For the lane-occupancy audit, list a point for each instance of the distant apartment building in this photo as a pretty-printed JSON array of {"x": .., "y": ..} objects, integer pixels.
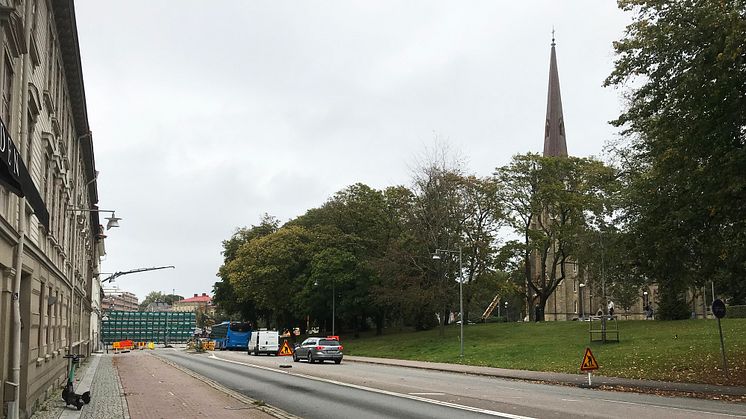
[
  {"x": 197, "y": 303},
  {"x": 118, "y": 300}
]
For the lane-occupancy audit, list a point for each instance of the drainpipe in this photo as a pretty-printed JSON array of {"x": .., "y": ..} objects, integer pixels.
[
  {"x": 16, "y": 338},
  {"x": 13, "y": 407}
]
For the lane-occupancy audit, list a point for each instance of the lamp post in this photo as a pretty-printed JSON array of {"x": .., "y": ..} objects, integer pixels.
[
  {"x": 436, "y": 256},
  {"x": 334, "y": 298},
  {"x": 580, "y": 293},
  {"x": 507, "y": 316},
  {"x": 603, "y": 276}
]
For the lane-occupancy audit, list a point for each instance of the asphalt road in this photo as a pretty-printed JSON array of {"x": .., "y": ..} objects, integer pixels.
[{"x": 357, "y": 390}]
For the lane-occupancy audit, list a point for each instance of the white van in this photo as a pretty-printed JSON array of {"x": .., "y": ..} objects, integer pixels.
[{"x": 264, "y": 341}]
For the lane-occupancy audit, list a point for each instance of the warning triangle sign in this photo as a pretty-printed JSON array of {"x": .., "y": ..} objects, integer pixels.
[
  {"x": 589, "y": 361},
  {"x": 285, "y": 350}
]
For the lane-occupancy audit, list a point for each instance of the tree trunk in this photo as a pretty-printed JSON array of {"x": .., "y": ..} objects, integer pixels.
[{"x": 540, "y": 307}]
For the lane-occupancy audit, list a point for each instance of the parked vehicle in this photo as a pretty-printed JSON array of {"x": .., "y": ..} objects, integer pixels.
[
  {"x": 319, "y": 349},
  {"x": 231, "y": 335},
  {"x": 264, "y": 341}
]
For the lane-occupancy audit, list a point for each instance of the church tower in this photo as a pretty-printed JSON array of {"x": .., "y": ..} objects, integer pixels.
[
  {"x": 566, "y": 302},
  {"x": 554, "y": 131}
]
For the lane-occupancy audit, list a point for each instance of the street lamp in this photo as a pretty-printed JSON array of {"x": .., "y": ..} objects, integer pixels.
[
  {"x": 507, "y": 316},
  {"x": 436, "y": 256},
  {"x": 580, "y": 294},
  {"x": 113, "y": 220}
]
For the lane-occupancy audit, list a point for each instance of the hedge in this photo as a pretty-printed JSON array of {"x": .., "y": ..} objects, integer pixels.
[{"x": 736, "y": 312}]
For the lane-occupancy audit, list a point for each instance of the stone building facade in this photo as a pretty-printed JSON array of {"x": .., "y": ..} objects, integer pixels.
[
  {"x": 116, "y": 299},
  {"x": 197, "y": 303},
  {"x": 49, "y": 251}
]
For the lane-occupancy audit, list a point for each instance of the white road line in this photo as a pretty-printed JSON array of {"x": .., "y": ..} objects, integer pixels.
[
  {"x": 379, "y": 391},
  {"x": 673, "y": 408}
]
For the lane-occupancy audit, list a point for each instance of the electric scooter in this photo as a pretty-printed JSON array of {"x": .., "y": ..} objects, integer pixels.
[{"x": 68, "y": 393}]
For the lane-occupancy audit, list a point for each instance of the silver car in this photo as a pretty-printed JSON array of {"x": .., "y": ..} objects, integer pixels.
[{"x": 318, "y": 349}]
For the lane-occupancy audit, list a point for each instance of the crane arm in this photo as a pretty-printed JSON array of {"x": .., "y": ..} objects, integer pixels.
[{"x": 133, "y": 271}]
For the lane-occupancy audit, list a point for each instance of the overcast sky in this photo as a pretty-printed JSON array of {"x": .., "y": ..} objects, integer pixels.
[{"x": 205, "y": 115}]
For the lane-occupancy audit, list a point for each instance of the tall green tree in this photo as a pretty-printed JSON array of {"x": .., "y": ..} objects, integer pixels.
[
  {"x": 683, "y": 64},
  {"x": 269, "y": 271},
  {"x": 551, "y": 202},
  {"x": 437, "y": 222},
  {"x": 231, "y": 305},
  {"x": 157, "y": 296}
]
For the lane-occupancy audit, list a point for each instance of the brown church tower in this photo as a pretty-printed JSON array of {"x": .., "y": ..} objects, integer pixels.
[
  {"x": 566, "y": 301},
  {"x": 554, "y": 130}
]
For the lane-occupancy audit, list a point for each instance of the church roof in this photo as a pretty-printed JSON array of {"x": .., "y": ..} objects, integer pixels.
[{"x": 554, "y": 131}]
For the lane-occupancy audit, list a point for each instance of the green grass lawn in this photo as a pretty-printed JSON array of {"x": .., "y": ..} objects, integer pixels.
[{"x": 685, "y": 351}]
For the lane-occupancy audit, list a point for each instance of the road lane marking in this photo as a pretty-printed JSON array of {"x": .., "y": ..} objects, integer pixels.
[
  {"x": 427, "y": 394},
  {"x": 379, "y": 391},
  {"x": 673, "y": 408},
  {"x": 493, "y": 413}
]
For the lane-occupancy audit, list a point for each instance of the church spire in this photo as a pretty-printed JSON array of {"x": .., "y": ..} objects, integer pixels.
[{"x": 554, "y": 131}]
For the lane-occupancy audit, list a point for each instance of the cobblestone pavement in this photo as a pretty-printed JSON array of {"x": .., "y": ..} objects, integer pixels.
[
  {"x": 55, "y": 408},
  {"x": 107, "y": 396}
]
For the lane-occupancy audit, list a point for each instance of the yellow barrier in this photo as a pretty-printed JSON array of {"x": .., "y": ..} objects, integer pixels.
[{"x": 208, "y": 345}]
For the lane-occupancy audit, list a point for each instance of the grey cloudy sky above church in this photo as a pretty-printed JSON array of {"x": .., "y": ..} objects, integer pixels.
[{"x": 207, "y": 115}]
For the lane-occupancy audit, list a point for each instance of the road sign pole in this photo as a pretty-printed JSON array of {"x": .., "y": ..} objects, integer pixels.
[
  {"x": 588, "y": 364},
  {"x": 718, "y": 309},
  {"x": 722, "y": 349}
]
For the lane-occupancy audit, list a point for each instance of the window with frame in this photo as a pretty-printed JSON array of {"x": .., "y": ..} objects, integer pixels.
[
  {"x": 40, "y": 339},
  {"x": 50, "y": 326},
  {"x": 50, "y": 59},
  {"x": 4, "y": 201},
  {"x": 56, "y": 312},
  {"x": 7, "y": 86}
]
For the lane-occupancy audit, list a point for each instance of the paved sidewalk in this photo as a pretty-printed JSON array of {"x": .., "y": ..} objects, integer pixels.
[
  {"x": 560, "y": 378},
  {"x": 155, "y": 389},
  {"x": 98, "y": 375},
  {"x": 139, "y": 385}
]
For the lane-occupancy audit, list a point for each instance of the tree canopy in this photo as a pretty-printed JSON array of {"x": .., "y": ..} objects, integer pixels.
[{"x": 683, "y": 155}]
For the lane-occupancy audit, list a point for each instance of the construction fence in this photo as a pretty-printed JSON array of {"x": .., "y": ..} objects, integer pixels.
[{"x": 164, "y": 327}]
